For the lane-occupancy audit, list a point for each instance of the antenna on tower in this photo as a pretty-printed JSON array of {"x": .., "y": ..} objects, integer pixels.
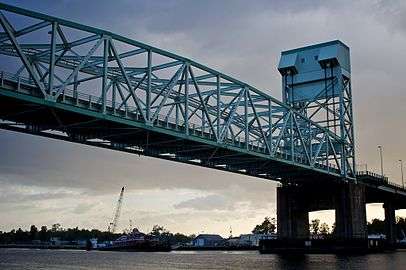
[
  {"x": 113, "y": 225},
  {"x": 231, "y": 232}
]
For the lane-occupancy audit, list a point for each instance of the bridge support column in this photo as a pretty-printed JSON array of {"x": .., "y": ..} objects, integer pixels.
[
  {"x": 292, "y": 213},
  {"x": 351, "y": 212},
  {"x": 390, "y": 223}
]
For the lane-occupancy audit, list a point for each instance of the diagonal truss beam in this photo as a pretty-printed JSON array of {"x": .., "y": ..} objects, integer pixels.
[{"x": 10, "y": 33}]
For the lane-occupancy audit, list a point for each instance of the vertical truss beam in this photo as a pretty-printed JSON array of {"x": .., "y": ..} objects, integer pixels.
[
  {"x": 186, "y": 78},
  {"x": 106, "y": 49},
  {"x": 149, "y": 88},
  {"x": 52, "y": 58}
]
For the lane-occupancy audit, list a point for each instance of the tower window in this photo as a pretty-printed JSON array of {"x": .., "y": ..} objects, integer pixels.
[
  {"x": 302, "y": 60},
  {"x": 316, "y": 57}
]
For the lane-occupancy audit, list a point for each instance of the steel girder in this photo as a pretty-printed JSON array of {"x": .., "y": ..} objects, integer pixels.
[{"x": 68, "y": 63}]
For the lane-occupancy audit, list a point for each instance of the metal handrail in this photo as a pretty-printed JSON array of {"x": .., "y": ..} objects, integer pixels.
[{"x": 380, "y": 178}]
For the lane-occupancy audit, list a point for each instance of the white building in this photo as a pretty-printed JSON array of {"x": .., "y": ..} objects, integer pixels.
[{"x": 253, "y": 239}]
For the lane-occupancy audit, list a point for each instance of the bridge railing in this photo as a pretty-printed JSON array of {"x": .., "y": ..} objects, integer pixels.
[
  {"x": 372, "y": 174},
  {"x": 378, "y": 179}
]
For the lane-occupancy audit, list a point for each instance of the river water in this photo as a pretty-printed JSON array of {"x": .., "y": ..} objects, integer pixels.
[{"x": 24, "y": 259}]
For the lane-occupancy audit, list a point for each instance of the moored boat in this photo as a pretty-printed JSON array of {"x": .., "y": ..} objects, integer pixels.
[{"x": 137, "y": 241}]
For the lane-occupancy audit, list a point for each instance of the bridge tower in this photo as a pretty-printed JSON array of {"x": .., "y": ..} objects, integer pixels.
[{"x": 316, "y": 80}]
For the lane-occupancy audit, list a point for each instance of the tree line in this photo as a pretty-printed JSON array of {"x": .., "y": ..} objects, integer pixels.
[
  {"x": 376, "y": 226},
  {"x": 44, "y": 235},
  {"x": 268, "y": 226}
]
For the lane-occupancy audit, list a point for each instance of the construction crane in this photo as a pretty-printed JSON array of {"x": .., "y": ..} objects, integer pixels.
[{"x": 113, "y": 225}]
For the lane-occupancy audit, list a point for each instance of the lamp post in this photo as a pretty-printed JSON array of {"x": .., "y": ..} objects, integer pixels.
[
  {"x": 401, "y": 172},
  {"x": 381, "y": 156}
]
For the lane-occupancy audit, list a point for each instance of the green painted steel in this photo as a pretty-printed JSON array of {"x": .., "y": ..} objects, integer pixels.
[{"x": 85, "y": 72}]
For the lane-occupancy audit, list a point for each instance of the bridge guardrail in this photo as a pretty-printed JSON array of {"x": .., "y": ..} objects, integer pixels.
[{"x": 380, "y": 179}]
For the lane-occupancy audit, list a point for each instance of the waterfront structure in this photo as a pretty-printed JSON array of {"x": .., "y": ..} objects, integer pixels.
[
  {"x": 136, "y": 241},
  {"x": 72, "y": 82},
  {"x": 253, "y": 239},
  {"x": 208, "y": 240}
]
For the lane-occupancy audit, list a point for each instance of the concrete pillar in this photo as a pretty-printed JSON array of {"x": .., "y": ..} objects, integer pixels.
[
  {"x": 350, "y": 212},
  {"x": 390, "y": 223},
  {"x": 292, "y": 213}
]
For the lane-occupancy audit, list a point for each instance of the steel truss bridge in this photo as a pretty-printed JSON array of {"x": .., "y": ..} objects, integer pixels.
[{"x": 73, "y": 82}]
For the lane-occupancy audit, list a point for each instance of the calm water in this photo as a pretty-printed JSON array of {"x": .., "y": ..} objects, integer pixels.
[{"x": 66, "y": 259}]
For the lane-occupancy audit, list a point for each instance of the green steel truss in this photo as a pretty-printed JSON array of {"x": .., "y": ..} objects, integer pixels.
[{"x": 69, "y": 67}]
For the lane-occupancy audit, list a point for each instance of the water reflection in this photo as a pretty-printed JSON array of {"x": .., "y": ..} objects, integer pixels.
[{"x": 11, "y": 259}]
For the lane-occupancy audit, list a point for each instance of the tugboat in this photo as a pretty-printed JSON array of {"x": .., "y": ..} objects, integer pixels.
[{"x": 137, "y": 241}]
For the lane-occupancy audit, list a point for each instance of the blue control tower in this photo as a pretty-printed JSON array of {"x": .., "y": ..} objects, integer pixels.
[{"x": 316, "y": 81}]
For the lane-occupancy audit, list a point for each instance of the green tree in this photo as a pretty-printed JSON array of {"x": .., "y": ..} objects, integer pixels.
[
  {"x": 266, "y": 227},
  {"x": 315, "y": 226},
  {"x": 324, "y": 229},
  {"x": 376, "y": 226},
  {"x": 401, "y": 225},
  {"x": 158, "y": 231},
  {"x": 56, "y": 227},
  {"x": 43, "y": 234},
  {"x": 21, "y": 236},
  {"x": 33, "y": 232}
]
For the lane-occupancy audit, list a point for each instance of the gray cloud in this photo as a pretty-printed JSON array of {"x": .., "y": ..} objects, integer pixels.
[
  {"x": 83, "y": 208},
  {"x": 11, "y": 194},
  {"x": 210, "y": 202},
  {"x": 16, "y": 197},
  {"x": 234, "y": 198},
  {"x": 392, "y": 13}
]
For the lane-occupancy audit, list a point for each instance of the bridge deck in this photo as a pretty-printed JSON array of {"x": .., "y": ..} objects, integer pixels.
[{"x": 380, "y": 189}]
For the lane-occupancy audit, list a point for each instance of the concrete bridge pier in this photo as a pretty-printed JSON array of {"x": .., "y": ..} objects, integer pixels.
[
  {"x": 350, "y": 212},
  {"x": 292, "y": 213},
  {"x": 390, "y": 223}
]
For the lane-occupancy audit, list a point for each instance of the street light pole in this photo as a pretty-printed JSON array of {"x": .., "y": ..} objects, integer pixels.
[
  {"x": 401, "y": 172},
  {"x": 380, "y": 154}
]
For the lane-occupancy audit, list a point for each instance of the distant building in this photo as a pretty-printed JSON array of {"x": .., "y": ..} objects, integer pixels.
[
  {"x": 208, "y": 240},
  {"x": 55, "y": 241},
  {"x": 233, "y": 242},
  {"x": 376, "y": 236},
  {"x": 253, "y": 239},
  {"x": 93, "y": 242}
]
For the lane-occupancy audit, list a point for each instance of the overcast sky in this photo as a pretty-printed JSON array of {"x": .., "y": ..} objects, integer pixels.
[{"x": 44, "y": 181}]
